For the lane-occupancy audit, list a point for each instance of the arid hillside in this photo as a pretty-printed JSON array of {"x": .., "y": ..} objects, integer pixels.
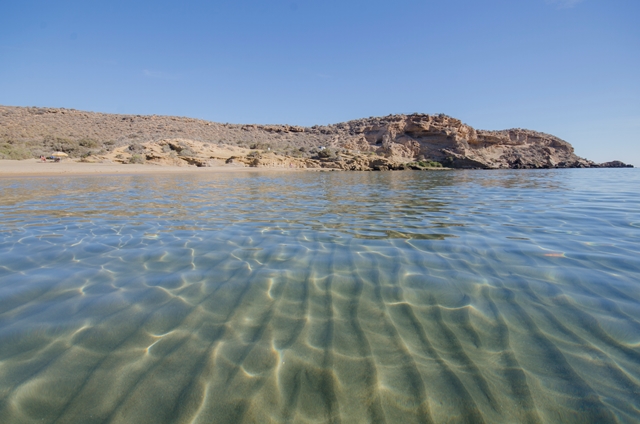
[{"x": 392, "y": 142}]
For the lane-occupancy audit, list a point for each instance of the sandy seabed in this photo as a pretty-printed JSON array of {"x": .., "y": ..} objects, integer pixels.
[
  {"x": 284, "y": 298},
  {"x": 33, "y": 167}
]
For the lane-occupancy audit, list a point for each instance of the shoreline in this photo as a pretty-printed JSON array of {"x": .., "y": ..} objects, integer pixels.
[{"x": 35, "y": 168}]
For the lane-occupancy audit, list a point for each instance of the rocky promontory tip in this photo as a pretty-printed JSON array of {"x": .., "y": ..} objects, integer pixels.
[{"x": 417, "y": 141}]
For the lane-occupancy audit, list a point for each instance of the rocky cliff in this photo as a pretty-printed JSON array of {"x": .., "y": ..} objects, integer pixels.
[
  {"x": 391, "y": 142},
  {"x": 449, "y": 141}
]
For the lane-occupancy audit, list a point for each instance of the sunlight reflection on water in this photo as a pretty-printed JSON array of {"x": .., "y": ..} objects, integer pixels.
[{"x": 312, "y": 297}]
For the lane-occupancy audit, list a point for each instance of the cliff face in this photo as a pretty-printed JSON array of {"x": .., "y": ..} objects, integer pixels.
[
  {"x": 449, "y": 141},
  {"x": 391, "y": 142}
]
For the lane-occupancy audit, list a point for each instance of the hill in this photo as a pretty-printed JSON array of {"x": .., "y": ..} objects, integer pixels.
[{"x": 391, "y": 142}]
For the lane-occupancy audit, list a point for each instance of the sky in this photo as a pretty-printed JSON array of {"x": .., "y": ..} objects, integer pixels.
[{"x": 570, "y": 68}]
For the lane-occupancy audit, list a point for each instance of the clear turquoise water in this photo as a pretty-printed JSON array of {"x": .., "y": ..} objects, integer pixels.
[{"x": 461, "y": 296}]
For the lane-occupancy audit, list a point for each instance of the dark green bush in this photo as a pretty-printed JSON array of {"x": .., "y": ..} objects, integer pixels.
[{"x": 428, "y": 164}]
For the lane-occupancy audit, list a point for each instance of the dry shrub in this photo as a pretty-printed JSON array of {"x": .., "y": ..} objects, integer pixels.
[
  {"x": 9, "y": 151},
  {"x": 136, "y": 158}
]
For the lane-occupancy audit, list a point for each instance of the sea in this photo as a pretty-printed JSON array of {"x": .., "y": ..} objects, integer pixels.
[{"x": 456, "y": 296}]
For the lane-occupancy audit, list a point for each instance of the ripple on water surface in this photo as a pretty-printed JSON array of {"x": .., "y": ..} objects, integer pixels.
[{"x": 321, "y": 297}]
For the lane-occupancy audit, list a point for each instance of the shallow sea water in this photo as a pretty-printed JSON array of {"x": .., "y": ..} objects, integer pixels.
[{"x": 400, "y": 297}]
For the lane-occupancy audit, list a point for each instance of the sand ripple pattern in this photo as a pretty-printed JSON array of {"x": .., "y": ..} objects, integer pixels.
[{"x": 463, "y": 297}]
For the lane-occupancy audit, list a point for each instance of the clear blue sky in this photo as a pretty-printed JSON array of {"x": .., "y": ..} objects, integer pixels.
[{"x": 566, "y": 67}]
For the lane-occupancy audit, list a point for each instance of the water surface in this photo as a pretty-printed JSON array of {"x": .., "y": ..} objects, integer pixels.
[{"x": 462, "y": 296}]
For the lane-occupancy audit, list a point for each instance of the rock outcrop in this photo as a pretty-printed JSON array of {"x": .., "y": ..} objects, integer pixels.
[
  {"x": 457, "y": 145},
  {"x": 615, "y": 164},
  {"x": 391, "y": 142}
]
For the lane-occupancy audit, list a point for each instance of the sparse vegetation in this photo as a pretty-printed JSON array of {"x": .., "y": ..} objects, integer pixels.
[
  {"x": 136, "y": 148},
  {"x": 9, "y": 151},
  {"x": 31, "y": 132},
  {"x": 136, "y": 158},
  {"x": 327, "y": 153},
  {"x": 186, "y": 152},
  {"x": 88, "y": 143},
  {"x": 425, "y": 164}
]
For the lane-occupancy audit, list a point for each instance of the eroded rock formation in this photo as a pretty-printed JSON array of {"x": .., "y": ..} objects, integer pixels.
[{"x": 454, "y": 144}]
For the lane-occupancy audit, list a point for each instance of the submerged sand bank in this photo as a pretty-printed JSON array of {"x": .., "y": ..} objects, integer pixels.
[{"x": 33, "y": 167}]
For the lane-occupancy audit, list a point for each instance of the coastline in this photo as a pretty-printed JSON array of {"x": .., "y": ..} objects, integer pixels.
[
  {"x": 35, "y": 168},
  {"x": 393, "y": 142}
]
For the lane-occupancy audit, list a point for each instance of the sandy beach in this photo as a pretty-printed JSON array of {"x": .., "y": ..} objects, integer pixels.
[{"x": 33, "y": 167}]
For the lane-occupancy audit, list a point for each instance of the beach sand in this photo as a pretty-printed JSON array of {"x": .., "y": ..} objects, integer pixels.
[{"x": 33, "y": 167}]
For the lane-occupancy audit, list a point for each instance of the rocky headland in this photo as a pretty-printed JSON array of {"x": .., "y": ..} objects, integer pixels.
[{"x": 393, "y": 142}]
